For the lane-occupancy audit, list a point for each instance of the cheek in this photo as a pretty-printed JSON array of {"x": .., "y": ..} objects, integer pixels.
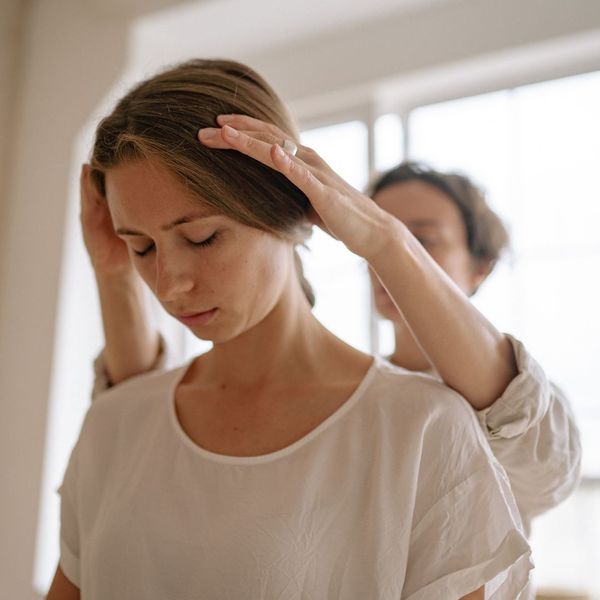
[
  {"x": 269, "y": 268},
  {"x": 383, "y": 303},
  {"x": 386, "y": 308},
  {"x": 380, "y": 294},
  {"x": 146, "y": 268},
  {"x": 374, "y": 280},
  {"x": 255, "y": 271},
  {"x": 457, "y": 264}
]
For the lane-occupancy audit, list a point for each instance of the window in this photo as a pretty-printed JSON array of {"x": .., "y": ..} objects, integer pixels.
[
  {"x": 340, "y": 278},
  {"x": 389, "y": 141},
  {"x": 536, "y": 149}
]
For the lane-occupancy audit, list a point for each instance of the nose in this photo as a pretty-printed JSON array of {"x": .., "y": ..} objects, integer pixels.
[{"x": 173, "y": 279}]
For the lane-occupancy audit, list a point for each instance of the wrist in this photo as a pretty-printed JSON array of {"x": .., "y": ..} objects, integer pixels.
[
  {"x": 391, "y": 234},
  {"x": 123, "y": 278}
]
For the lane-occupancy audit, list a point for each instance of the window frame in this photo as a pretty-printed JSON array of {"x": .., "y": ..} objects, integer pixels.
[{"x": 468, "y": 79}]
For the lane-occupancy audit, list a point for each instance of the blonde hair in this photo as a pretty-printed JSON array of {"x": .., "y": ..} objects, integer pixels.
[{"x": 160, "y": 118}]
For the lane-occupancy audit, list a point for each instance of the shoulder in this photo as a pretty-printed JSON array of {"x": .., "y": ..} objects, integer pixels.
[
  {"x": 434, "y": 420},
  {"x": 432, "y": 427},
  {"x": 131, "y": 403},
  {"x": 121, "y": 422},
  {"x": 139, "y": 388},
  {"x": 420, "y": 394}
]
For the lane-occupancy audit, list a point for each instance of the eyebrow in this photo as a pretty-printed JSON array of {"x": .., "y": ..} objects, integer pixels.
[{"x": 180, "y": 221}]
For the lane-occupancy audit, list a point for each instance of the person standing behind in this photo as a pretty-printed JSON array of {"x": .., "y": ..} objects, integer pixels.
[
  {"x": 530, "y": 426},
  {"x": 526, "y": 418}
]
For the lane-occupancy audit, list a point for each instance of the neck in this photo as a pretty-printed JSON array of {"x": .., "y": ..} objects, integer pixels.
[
  {"x": 289, "y": 346},
  {"x": 407, "y": 353}
]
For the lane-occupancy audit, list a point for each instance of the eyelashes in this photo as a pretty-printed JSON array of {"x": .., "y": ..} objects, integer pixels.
[
  {"x": 202, "y": 244},
  {"x": 206, "y": 242},
  {"x": 143, "y": 252}
]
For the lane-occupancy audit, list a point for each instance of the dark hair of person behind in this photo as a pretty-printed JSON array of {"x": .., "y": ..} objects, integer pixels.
[{"x": 487, "y": 236}]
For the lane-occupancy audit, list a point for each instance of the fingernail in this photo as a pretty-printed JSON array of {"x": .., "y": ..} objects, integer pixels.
[
  {"x": 206, "y": 134},
  {"x": 281, "y": 152},
  {"x": 225, "y": 118},
  {"x": 231, "y": 132}
]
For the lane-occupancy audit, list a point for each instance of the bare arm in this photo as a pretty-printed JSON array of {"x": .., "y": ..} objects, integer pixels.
[
  {"x": 132, "y": 343},
  {"x": 62, "y": 588},
  {"x": 469, "y": 353}
]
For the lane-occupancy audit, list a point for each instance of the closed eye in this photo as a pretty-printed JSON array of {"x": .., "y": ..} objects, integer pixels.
[
  {"x": 202, "y": 244},
  {"x": 207, "y": 241},
  {"x": 144, "y": 252}
]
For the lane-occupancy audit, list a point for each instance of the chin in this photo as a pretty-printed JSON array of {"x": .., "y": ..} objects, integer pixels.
[
  {"x": 224, "y": 332},
  {"x": 387, "y": 310},
  {"x": 216, "y": 335},
  {"x": 394, "y": 317}
]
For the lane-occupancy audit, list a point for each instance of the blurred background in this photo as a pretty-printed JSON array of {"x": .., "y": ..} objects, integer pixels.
[{"x": 507, "y": 92}]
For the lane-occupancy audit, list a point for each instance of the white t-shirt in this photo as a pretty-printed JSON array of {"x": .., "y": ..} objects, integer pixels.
[{"x": 394, "y": 496}]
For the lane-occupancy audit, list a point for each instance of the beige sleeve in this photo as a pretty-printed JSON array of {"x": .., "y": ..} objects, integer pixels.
[{"x": 532, "y": 432}]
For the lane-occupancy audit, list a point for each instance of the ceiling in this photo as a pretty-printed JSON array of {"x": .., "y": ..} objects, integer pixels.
[{"x": 239, "y": 27}]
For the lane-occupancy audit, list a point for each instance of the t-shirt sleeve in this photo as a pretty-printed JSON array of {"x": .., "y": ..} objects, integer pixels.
[
  {"x": 532, "y": 432},
  {"x": 69, "y": 523},
  {"x": 467, "y": 531}
]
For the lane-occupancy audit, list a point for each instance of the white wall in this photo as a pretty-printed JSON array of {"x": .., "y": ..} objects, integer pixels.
[
  {"x": 69, "y": 54},
  {"x": 12, "y": 19},
  {"x": 346, "y": 65}
]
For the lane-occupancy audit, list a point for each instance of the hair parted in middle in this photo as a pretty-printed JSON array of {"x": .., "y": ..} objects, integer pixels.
[{"x": 160, "y": 119}]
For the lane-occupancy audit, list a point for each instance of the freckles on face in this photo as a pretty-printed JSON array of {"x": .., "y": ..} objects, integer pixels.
[
  {"x": 436, "y": 222},
  {"x": 195, "y": 259},
  {"x": 161, "y": 222},
  {"x": 254, "y": 278}
]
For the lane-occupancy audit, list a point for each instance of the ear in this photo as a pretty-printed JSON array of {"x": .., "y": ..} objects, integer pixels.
[{"x": 481, "y": 269}]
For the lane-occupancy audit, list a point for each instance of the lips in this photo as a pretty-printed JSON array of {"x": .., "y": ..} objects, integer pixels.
[{"x": 199, "y": 318}]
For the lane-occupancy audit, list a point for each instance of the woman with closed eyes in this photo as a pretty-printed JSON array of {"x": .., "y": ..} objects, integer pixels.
[{"x": 282, "y": 463}]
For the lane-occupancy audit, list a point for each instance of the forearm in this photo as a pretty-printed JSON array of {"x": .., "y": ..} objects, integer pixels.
[
  {"x": 468, "y": 352},
  {"x": 131, "y": 342}
]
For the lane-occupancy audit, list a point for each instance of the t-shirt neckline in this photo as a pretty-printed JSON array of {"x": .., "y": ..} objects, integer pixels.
[{"x": 271, "y": 456}]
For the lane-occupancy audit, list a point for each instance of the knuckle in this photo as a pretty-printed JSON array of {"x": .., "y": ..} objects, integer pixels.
[
  {"x": 311, "y": 156},
  {"x": 248, "y": 141},
  {"x": 267, "y": 137},
  {"x": 274, "y": 130},
  {"x": 304, "y": 175}
]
